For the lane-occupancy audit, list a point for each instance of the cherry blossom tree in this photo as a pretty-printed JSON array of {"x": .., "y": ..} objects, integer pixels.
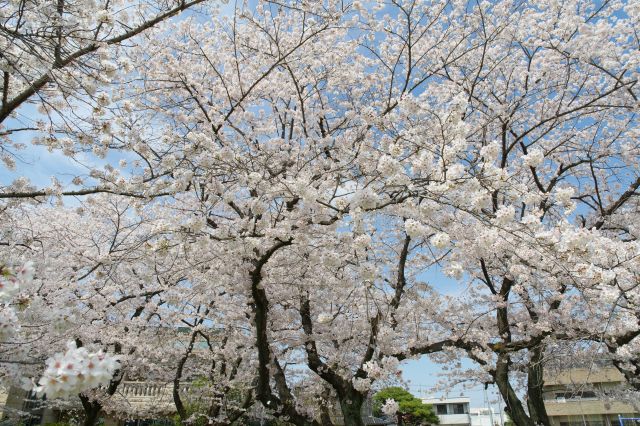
[
  {"x": 101, "y": 285},
  {"x": 68, "y": 49},
  {"x": 554, "y": 129},
  {"x": 292, "y": 174}
]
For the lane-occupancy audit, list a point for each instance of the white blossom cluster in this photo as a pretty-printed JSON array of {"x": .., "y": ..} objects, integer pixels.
[
  {"x": 533, "y": 158},
  {"x": 75, "y": 371},
  {"x": 440, "y": 240},
  {"x": 387, "y": 367},
  {"x": 361, "y": 385},
  {"x": 8, "y": 323},
  {"x": 390, "y": 407},
  {"x": 415, "y": 229},
  {"x": 11, "y": 281}
]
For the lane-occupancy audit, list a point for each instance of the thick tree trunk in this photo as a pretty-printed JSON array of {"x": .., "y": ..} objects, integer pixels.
[
  {"x": 91, "y": 411},
  {"x": 631, "y": 367},
  {"x": 325, "y": 414},
  {"x": 284, "y": 403},
  {"x": 351, "y": 406},
  {"x": 177, "y": 400},
  {"x": 248, "y": 401},
  {"x": 514, "y": 405},
  {"x": 91, "y": 417},
  {"x": 214, "y": 409},
  {"x": 325, "y": 417},
  {"x": 535, "y": 382},
  {"x": 92, "y": 408}
]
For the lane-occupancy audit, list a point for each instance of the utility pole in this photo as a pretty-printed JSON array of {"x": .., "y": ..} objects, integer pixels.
[
  {"x": 500, "y": 407},
  {"x": 488, "y": 404}
]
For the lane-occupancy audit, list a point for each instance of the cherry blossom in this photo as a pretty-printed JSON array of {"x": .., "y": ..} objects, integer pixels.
[
  {"x": 390, "y": 407},
  {"x": 290, "y": 200},
  {"x": 75, "y": 371}
]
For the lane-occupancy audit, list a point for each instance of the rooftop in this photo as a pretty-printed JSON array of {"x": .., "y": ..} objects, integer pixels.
[{"x": 444, "y": 400}]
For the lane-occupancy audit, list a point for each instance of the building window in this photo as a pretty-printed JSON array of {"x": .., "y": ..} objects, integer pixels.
[
  {"x": 441, "y": 409},
  {"x": 458, "y": 409},
  {"x": 575, "y": 395}
]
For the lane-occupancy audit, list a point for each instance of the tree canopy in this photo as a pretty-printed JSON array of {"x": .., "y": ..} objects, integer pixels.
[
  {"x": 291, "y": 198},
  {"x": 410, "y": 409}
]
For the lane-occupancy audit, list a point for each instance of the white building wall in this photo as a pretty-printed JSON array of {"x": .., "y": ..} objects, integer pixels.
[
  {"x": 471, "y": 416},
  {"x": 481, "y": 417},
  {"x": 455, "y": 419}
]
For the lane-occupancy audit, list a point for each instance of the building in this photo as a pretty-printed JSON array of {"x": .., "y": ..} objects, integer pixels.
[
  {"x": 456, "y": 412},
  {"x": 486, "y": 417},
  {"x": 574, "y": 396},
  {"x": 451, "y": 411},
  {"x": 141, "y": 397}
]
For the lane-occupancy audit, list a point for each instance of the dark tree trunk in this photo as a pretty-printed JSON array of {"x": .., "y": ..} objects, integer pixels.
[
  {"x": 284, "y": 403},
  {"x": 514, "y": 408},
  {"x": 351, "y": 406},
  {"x": 631, "y": 367},
  {"x": 325, "y": 417},
  {"x": 535, "y": 382},
  {"x": 177, "y": 400},
  {"x": 214, "y": 409},
  {"x": 248, "y": 401},
  {"x": 627, "y": 369},
  {"x": 91, "y": 411},
  {"x": 92, "y": 408}
]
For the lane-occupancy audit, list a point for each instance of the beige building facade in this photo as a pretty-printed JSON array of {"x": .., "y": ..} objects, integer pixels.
[{"x": 574, "y": 397}]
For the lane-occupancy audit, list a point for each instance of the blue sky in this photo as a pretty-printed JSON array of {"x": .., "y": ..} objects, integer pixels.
[
  {"x": 36, "y": 162},
  {"x": 422, "y": 375}
]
